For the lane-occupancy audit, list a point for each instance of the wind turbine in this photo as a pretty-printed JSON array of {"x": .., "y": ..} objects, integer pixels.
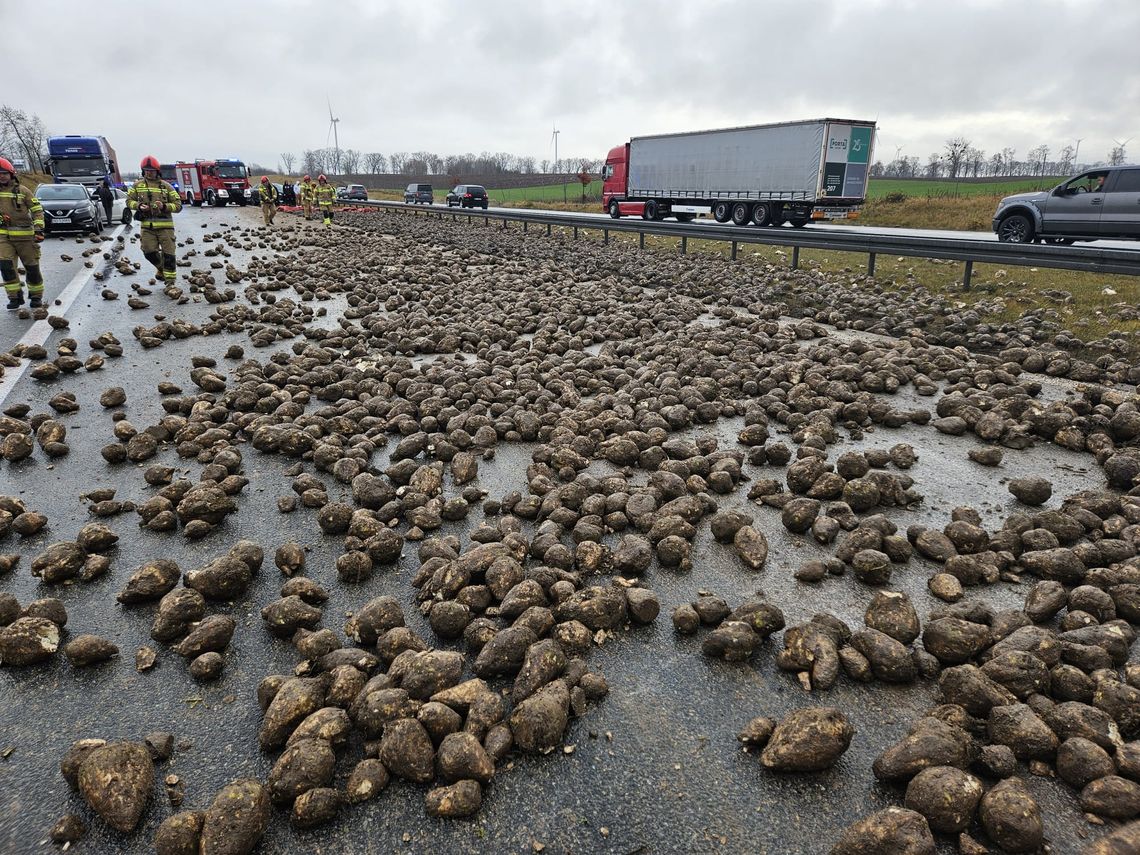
[
  {"x": 554, "y": 138},
  {"x": 1120, "y": 145},
  {"x": 332, "y": 132}
]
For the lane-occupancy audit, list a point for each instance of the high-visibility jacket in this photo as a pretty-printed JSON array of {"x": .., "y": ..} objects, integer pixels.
[
  {"x": 147, "y": 191},
  {"x": 21, "y": 214},
  {"x": 268, "y": 193},
  {"x": 326, "y": 194},
  {"x": 308, "y": 191}
]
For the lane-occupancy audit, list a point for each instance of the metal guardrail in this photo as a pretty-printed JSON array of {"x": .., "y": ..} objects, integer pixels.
[{"x": 1086, "y": 259}]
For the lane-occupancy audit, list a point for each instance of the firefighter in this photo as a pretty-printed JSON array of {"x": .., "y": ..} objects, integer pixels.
[
  {"x": 268, "y": 194},
  {"x": 326, "y": 195},
  {"x": 21, "y": 232},
  {"x": 153, "y": 202},
  {"x": 308, "y": 194}
]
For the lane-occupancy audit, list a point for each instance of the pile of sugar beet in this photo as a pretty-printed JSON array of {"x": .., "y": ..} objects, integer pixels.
[{"x": 605, "y": 362}]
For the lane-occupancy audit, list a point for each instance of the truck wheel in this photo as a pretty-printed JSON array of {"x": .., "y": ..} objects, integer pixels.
[
  {"x": 721, "y": 212},
  {"x": 740, "y": 213},
  {"x": 778, "y": 218},
  {"x": 650, "y": 212},
  {"x": 219, "y": 201},
  {"x": 615, "y": 209},
  {"x": 761, "y": 214},
  {"x": 685, "y": 218},
  {"x": 799, "y": 222},
  {"x": 1016, "y": 228}
]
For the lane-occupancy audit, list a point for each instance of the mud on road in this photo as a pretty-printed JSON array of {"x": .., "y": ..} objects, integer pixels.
[{"x": 540, "y": 450}]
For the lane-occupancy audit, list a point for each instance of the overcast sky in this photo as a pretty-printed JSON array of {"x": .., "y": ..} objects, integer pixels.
[{"x": 250, "y": 78}]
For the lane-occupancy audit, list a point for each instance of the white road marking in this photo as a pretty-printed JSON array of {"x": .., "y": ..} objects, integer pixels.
[{"x": 39, "y": 331}]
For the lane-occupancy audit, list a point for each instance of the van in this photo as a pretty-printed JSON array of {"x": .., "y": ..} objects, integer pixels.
[{"x": 419, "y": 193}]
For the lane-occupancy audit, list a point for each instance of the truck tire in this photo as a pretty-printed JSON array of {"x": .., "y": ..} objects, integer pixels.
[
  {"x": 1016, "y": 228},
  {"x": 799, "y": 222},
  {"x": 761, "y": 214},
  {"x": 741, "y": 212},
  {"x": 219, "y": 201},
  {"x": 615, "y": 209},
  {"x": 777, "y": 216},
  {"x": 721, "y": 212},
  {"x": 685, "y": 218},
  {"x": 651, "y": 212}
]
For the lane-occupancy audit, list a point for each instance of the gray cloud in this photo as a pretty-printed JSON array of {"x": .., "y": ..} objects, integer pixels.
[{"x": 455, "y": 76}]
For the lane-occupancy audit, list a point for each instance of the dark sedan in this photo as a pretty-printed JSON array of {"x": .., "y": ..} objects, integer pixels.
[{"x": 69, "y": 207}]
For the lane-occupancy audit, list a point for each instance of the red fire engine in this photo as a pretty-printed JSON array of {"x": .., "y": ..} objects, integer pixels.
[{"x": 213, "y": 182}]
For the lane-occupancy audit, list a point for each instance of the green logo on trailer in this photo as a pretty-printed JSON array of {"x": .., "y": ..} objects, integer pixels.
[{"x": 859, "y": 146}]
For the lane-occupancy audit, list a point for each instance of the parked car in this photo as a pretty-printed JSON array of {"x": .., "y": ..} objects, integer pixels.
[
  {"x": 467, "y": 196},
  {"x": 1100, "y": 203},
  {"x": 419, "y": 194},
  {"x": 69, "y": 207},
  {"x": 120, "y": 213},
  {"x": 355, "y": 191}
]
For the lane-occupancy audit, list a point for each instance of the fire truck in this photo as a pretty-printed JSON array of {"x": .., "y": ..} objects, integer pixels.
[{"x": 212, "y": 182}]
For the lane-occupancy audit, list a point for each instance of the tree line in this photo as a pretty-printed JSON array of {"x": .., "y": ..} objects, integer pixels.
[
  {"x": 350, "y": 161},
  {"x": 959, "y": 158}
]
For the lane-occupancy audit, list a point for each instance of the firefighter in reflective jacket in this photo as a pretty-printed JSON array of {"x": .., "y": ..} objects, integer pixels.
[
  {"x": 308, "y": 196},
  {"x": 153, "y": 202},
  {"x": 326, "y": 195},
  {"x": 21, "y": 231},
  {"x": 268, "y": 195}
]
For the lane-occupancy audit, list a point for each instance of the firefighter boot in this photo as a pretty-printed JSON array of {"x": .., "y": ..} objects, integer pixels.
[
  {"x": 35, "y": 285},
  {"x": 328, "y": 216},
  {"x": 169, "y": 274},
  {"x": 15, "y": 299},
  {"x": 12, "y": 284},
  {"x": 155, "y": 258}
]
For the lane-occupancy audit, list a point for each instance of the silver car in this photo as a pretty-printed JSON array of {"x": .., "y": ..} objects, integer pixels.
[{"x": 1099, "y": 203}]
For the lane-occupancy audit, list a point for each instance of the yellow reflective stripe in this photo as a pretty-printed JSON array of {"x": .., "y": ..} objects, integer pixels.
[
  {"x": 158, "y": 224},
  {"x": 20, "y": 233}
]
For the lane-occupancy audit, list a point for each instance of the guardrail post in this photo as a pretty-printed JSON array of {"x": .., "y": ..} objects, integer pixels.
[
  {"x": 486, "y": 221},
  {"x": 606, "y": 236},
  {"x": 524, "y": 227},
  {"x": 734, "y": 250},
  {"x": 795, "y": 258},
  {"x": 548, "y": 233},
  {"x": 575, "y": 233},
  {"x": 968, "y": 275},
  {"x": 684, "y": 244},
  {"x": 641, "y": 240},
  {"x": 504, "y": 226},
  {"x": 871, "y": 264}
]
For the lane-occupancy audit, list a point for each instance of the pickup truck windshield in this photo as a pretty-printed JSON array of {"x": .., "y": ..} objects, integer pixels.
[
  {"x": 80, "y": 167},
  {"x": 231, "y": 171}
]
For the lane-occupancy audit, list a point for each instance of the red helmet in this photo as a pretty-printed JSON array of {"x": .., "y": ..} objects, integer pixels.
[
  {"x": 308, "y": 178},
  {"x": 6, "y": 166},
  {"x": 149, "y": 162},
  {"x": 321, "y": 178},
  {"x": 264, "y": 179}
]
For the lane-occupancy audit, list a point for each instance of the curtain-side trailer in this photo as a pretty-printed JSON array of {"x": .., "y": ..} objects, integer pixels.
[{"x": 764, "y": 174}]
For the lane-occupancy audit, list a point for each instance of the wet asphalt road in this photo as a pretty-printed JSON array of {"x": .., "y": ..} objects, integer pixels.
[{"x": 655, "y": 767}]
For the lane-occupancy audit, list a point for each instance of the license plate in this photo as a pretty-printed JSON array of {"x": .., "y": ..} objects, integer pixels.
[
  {"x": 61, "y": 219},
  {"x": 836, "y": 215}
]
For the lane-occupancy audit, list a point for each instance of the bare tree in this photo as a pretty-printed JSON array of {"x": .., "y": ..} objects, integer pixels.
[
  {"x": 955, "y": 155},
  {"x": 1065, "y": 160},
  {"x": 311, "y": 162},
  {"x": 1038, "y": 157},
  {"x": 1116, "y": 156},
  {"x": 375, "y": 162},
  {"x": 396, "y": 161},
  {"x": 996, "y": 164},
  {"x": 350, "y": 161},
  {"x": 544, "y": 166},
  {"x": 23, "y": 135},
  {"x": 287, "y": 160},
  {"x": 934, "y": 165}
]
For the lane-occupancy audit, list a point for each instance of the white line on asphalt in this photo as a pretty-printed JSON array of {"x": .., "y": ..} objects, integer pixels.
[{"x": 39, "y": 331}]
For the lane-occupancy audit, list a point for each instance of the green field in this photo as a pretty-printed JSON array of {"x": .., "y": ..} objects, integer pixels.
[
  {"x": 552, "y": 193},
  {"x": 880, "y": 187}
]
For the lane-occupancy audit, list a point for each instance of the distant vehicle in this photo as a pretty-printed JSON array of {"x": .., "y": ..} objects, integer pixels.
[
  {"x": 69, "y": 207},
  {"x": 764, "y": 174},
  {"x": 341, "y": 191},
  {"x": 355, "y": 191},
  {"x": 120, "y": 212},
  {"x": 1100, "y": 203},
  {"x": 213, "y": 182},
  {"x": 467, "y": 196},
  {"x": 252, "y": 197},
  {"x": 76, "y": 159},
  {"x": 419, "y": 193},
  {"x": 168, "y": 172}
]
